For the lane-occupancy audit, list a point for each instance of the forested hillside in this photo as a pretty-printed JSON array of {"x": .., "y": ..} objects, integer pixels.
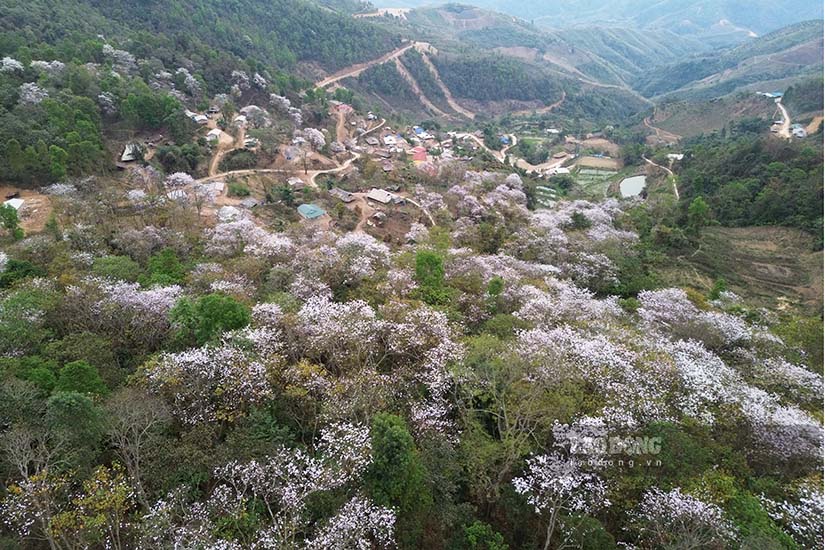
[
  {"x": 272, "y": 34},
  {"x": 790, "y": 52},
  {"x": 249, "y": 304},
  {"x": 756, "y": 181}
]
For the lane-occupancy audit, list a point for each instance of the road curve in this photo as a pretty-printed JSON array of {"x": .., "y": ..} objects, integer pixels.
[
  {"x": 669, "y": 172},
  {"x": 359, "y": 68}
]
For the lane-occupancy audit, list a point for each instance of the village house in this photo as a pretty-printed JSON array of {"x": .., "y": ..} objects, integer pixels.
[
  {"x": 296, "y": 183},
  {"x": 419, "y": 154},
  {"x": 310, "y": 211},
  {"x": 131, "y": 152},
  {"x": 213, "y": 135},
  {"x": 344, "y": 196},
  {"x": 380, "y": 195}
]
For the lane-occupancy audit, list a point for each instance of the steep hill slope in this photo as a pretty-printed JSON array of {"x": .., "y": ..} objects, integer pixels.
[
  {"x": 274, "y": 34},
  {"x": 717, "y": 21},
  {"x": 768, "y": 61}
]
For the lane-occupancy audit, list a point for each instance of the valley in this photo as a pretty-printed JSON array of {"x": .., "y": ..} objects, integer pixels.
[{"x": 332, "y": 274}]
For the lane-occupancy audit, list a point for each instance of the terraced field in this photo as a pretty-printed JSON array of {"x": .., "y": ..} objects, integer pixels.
[{"x": 769, "y": 266}]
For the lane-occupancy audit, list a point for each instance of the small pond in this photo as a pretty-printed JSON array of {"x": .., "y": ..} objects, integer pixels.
[{"x": 632, "y": 187}]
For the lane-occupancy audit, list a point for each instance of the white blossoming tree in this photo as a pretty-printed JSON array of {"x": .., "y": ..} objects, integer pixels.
[
  {"x": 676, "y": 520},
  {"x": 558, "y": 489}
]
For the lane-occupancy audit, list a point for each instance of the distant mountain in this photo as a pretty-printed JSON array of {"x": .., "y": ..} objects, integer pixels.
[
  {"x": 719, "y": 21},
  {"x": 769, "y": 62}
]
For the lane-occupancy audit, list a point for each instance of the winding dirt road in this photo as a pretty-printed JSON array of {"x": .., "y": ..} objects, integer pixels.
[
  {"x": 670, "y": 173},
  {"x": 664, "y": 135},
  {"x": 410, "y": 79},
  {"x": 785, "y": 129},
  {"x": 447, "y": 93},
  {"x": 359, "y": 68},
  {"x": 543, "y": 110}
]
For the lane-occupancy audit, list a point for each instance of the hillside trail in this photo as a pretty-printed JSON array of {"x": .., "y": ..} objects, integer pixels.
[
  {"x": 447, "y": 93},
  {"x": 543, "y": 110},
  {"x": 814, "y": 125},
  {"x": 664, "y": 135},
  {"x": 410, "y": 79},
  {"x": 670, "y": 173},
  {"x": 226, "y": 144},
  {"x": 364, "y": 209},
  {"x": 785, "y": 129},
  {"x": 341, "y": 133},
  {"x": 359, "y": 68}
]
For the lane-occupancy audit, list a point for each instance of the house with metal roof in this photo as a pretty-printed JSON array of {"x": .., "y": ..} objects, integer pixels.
[{"x": 310, "y": 211}]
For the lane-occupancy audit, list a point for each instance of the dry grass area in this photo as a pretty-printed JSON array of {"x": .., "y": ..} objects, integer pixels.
[
  {"x": 36, "y": 207},
  {"x": 771, "y": 266},
  {"x": 691, "y": 119},
  {"x": 603, "y": 145},
  {"x": 600, "y": 163}
]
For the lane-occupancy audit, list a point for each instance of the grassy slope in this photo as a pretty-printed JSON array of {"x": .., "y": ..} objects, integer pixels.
[
  {"x": 785, "y": 54},
  {"x": 768, "y": 266},
  {"x": 691, "y": 118}
]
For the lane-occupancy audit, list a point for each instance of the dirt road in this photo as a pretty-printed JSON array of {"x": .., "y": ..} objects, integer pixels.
[
  {"x": 447, "y": 93},
  {"x": 341, "y": 133},
  {"x": 814, "y": 125},
  {"x": 359, "y": 68},
  {"x": 224, "y": 145},
  {"x": 664, "y": 135},
  {"x": 543, "y": 110},
  {"x": 785, "y": 129},
  {"x": 671, "y": 175},
  {"x": 410, "y": 79}
]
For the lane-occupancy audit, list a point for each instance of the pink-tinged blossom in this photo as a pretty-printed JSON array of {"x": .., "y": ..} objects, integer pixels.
[
  {"x": 31, "y": 94},
  {"x": 783, "y": 431},
  {"x": 362, "y": 255},
  {"x": 50, "y": 67},
  {"x": 706, "y": 381},
  {"x": 259, "y": 81},
  {"x": 418, "y": 233},
  {"x": 513, "y": 181},
  {"x": 400, "y": 283},
  {"x": 210, "y": 383},
  {"x": 358, "y": 525},
  {"x": 189, "y": 82},
  {"x": 348, "y": 447},
  {"x": 780, "y": 375},
  {"x": 666, "y": 307},
  {"x": 280, "y": 103},
  {"x": 801, "y": 516},
  {"x": 233, "y": 237},
  {"x": 429, "y": 200},
  {"x": 306, "y": 288},
  {"x": 663, "y": 519},
  {"x": 314, "y": 137},
  {"x": 60, "y": 189},
  {"x": 123, "y": 309},
  {"x": 553, "y": 481},
  {"x": 566, "y": 303},
  {"x": 10, "y": 65},
  {"x": 267, "y": 315},
  {"x": 236, "y": 285},
  {"x": 179, "y": 179},
  {"x": 122, "y": 59},
  {"x": 240, "y": 79},
  {"x": 340, "y": 335}
]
